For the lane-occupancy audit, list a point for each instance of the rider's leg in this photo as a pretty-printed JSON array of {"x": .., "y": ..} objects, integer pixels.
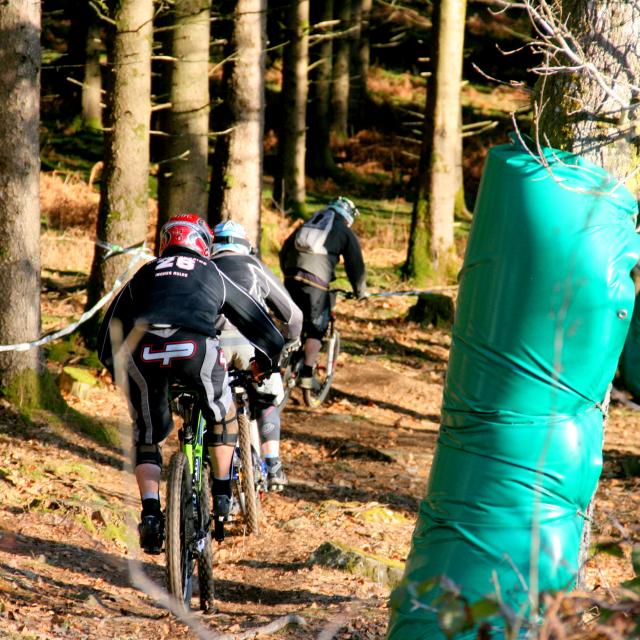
[
  {"x": 314, "y": 328},
  {"x": 269, "y": 395},
  {"x": 312, "y": 348},
  {"x": 149, "y": 407},
  {"x": 221, "y": 444}
]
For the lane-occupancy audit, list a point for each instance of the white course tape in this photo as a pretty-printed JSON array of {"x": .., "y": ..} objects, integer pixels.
[{"x": 139, "y": 253}]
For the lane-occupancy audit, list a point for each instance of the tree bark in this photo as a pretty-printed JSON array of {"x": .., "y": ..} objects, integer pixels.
[
  {"x": 581, "y": 117},
  {"x": 183, "y": 169},
  {"x": 340, "y": 84},
  {"x": 289, "y": 187},
  {"x": 358, "y": 93},
  {"x": 460, "y": 210},
  {"x": 124, "y": 195},
  {"x": 19, "y": 190},
  {"x": 319, "y": 156},
  {"x": 92, "y": 83},
  {"x": 236, "y": 178},
  {"x": 431, "y": 237}
]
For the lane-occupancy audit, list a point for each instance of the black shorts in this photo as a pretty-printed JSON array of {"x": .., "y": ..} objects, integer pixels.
[
  {"x": 175, "y": 355},
  {"x": 315, "y": 304}
]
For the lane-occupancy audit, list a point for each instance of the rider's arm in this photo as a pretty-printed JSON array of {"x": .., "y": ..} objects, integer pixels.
[
  {"x": 120, "y": 310},
  {"x": 354, "y": 264},
  {"x": 253, "y": 322},
  {"x": 280, "y": 303}
]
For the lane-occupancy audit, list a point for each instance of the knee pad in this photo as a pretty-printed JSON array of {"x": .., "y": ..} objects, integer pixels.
[
  {"x": 225, "y": 432},
  {"x": 270, "y": 432},
  {"x": 269, "y": 425},
  {"x": 148, "y": 454},
  {"x": 225, "y": 438}
]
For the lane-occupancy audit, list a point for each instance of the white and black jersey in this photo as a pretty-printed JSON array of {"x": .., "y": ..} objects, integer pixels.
[{"x": 263, "y": 285}]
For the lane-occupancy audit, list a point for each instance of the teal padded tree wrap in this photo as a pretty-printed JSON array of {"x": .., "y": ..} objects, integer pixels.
[{"x": 544, "y": 305}]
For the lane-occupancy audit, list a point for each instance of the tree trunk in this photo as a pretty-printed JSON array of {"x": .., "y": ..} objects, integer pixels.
[
  {"x": 358, "y": 93},
  {"x": 460, "y": 211},
  {"x": 183, "y": 172},
  {"x": 289, "y": 187},
  {"x": 340, "y": 85},
  {"x": 431, "y": 238},
  {"x": 319, "y": 157},
  {"x": 124, "y": 195},
  {"x": 581, "y": 117},
  {"x": 19, "y": 194},
  {"x": 236, "y": 178},
  {"x": 92, "y": 83}
]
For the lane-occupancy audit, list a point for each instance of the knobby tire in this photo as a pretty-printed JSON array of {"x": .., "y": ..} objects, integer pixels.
[
  {"x": 292, "y": 369},
  {"x": 250, "y": 504},
  {"x": 180, "y": 528},
  {"x": 313, "y": 398}
]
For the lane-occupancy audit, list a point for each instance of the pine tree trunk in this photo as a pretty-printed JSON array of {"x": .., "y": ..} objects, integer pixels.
[
  {"x": 358, "y": 93},
  {"x": 340, "y": 85},
  {"x": 124, "y": 204},
  {"x": 319, "y": 157},
  {"x": 460, "y": 212},
  {"x": 19, "y": 192},
  {"x": 581, "y": 117},
  {"x": 431, "y": 237},
  {"x": 236, "y": 178},
  {"x": 289, "y": 188},
  {"x": 92, "y": 83},
  {"x": 183, "y": 173}
]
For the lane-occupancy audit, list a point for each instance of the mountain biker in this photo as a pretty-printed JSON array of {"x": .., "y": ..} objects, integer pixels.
[
  {"x": 232, "y": 254},
  {"x": 167, "y": 315},
  {"x": 308, "y": 259}
]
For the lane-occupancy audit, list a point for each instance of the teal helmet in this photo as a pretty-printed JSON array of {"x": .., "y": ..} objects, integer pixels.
[
  {"x": 230, "y": 236},
  {"x": 345, "y": 208}
]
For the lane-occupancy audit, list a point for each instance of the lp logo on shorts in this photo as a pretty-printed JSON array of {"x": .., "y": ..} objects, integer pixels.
[{"x": 171, "y": 351}]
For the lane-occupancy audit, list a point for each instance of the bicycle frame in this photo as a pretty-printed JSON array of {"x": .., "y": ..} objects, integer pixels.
[{"x": 191, "y": 441}]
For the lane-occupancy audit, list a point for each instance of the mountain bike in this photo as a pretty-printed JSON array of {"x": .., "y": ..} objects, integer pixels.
[
  {"x": 291, "y": 366},
  {"x": 188, "y": 514},
  {"x": 249, "y": 470}
]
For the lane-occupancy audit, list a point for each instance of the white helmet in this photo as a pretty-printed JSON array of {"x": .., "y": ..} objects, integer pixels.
[
  {"x": 230, "y": 236},
  {"x": 345, "y": 208}
]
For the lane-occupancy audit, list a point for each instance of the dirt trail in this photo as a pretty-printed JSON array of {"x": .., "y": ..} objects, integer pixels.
[{"x": 65, "y": 553}]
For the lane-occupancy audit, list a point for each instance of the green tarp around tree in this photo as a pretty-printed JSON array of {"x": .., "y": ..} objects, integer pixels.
[{"x": 544, "y": 306}]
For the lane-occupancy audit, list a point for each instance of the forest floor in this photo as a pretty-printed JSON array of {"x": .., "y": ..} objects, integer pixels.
[{"x": 357, "y": 469}]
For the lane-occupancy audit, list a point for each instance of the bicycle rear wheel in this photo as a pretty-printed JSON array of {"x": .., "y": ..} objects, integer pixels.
[
  {"x": 249, "y": 499},
  {"x": 289, "y": 375},
  {"x": 180, "y": 523},
  {"x": 325, "y": 369}
]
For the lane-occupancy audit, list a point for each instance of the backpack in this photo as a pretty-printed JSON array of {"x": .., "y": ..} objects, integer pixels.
[{"x": 312, "y": 234}]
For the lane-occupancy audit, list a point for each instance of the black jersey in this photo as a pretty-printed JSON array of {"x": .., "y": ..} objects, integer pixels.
[
  {"x": 263, "y": 285},
  {"x": 183, "y": 289}
]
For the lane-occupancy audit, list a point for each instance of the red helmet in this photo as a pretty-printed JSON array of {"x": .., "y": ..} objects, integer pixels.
[{"x": 189, "y": 231}]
